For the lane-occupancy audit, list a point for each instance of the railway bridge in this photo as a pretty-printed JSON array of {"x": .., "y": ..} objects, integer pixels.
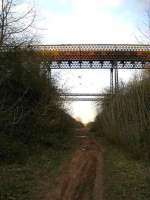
[{"x": 95, "y": 56}]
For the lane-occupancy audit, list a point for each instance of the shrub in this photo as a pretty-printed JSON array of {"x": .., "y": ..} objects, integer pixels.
[{"x": 31, "y": 112}]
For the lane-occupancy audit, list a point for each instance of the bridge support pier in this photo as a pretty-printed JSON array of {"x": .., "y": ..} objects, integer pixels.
[
  {"x": 111, "y": 81},
  {"x": 49, "y": 76},
  {"x": 114, "y": 81}
]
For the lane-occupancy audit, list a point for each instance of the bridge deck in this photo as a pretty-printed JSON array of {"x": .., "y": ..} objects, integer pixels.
[{"x": 95, "y": 52}]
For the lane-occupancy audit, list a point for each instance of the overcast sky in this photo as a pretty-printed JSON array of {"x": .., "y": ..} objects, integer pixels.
[{"x": 90, "y": 21}]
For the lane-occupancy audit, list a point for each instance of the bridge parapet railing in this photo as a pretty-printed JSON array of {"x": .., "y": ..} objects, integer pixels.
[
  {"x": 93, "y": 47},
  {"x": 87, "y": 47}
]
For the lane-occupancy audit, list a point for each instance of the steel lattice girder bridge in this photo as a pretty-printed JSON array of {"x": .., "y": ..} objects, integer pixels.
[{"x": 93, "y": 56}]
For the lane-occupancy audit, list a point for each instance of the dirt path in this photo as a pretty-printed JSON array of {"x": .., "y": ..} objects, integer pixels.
[{"x": 83, "y": 180}]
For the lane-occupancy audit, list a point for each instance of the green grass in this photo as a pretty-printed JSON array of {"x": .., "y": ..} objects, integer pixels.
[
  {"x": 32, "y": 179},
  {"x": 125, "y": 178}
]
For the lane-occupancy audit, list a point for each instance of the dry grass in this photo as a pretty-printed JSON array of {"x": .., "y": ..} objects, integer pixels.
[{"x": 125, "y": 117}]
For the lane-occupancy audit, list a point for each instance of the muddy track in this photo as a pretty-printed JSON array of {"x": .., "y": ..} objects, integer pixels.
[{"x": 83, "y": 178}]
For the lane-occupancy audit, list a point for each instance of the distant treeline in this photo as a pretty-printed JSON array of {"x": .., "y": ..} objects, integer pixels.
[
  {"x": 32, "y": 114},
  {"x": 124, "y": 118}
]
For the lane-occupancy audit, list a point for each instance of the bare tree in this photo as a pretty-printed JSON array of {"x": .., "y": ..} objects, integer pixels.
[
  {"x": 16, "y": 28},
  {"x": 16, "y": 22}
]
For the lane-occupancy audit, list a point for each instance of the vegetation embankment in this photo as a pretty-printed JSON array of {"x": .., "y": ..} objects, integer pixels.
[
  {"x": 36, "y": 132},
  {"x": 124, "y": 118},
  {"x": 123, "y": 126}
]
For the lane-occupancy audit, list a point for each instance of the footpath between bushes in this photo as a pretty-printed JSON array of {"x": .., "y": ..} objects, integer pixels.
[
  {"x": 96, "y": 170},
  {"x": 72, "y": 174},
  {"x": 101, "y": 171},
  {"x": 82, "y": 178}
]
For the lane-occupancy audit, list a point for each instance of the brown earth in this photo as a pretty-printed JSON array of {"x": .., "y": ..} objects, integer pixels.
[{"x": 83, "y": 177}]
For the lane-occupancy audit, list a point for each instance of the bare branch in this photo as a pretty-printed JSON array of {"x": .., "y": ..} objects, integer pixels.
[{"x": 12, "y": 24}]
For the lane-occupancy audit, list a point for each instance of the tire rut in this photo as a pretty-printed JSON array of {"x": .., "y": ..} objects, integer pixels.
[{"x": 83, "y": 178}]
